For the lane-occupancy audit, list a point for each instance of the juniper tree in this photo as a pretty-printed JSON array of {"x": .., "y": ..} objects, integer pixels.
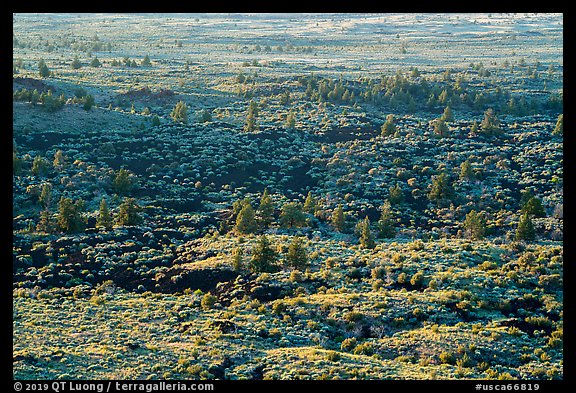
[
  {"x": 531, "y": 204},
  {"x": 76, "y": 64},
  {"x": 265, "y": 210},
  {"x": 534, "y": 207},
  {"x": 396, "y": 194},
  {"x": 123, "y": 182},
  {"x": 128, "y": 213},
  {"x": 238, "y": 205},
  {"x": 237, "y": 258},
  {"x": 442, "y": 188},
  {"x": 475, "y": 225},
  {"x": 206, "y": 116},
  {"x": 146, "y": 61},
  {"x": 59, "y": 160},
  {"x": 104, "y": 219},
  {"x": 559, "y": 128},
  {"x": 525, "y": 230},
  {"x": 263, "y": 257},
  {"x": 95, "y": 63},
  {"x": 386, "y": 227},
  {"x": 291, "y": 120},
  {"x": 46, "y": 223},
  {"x": 366, "y": 237},
  {"x": 389, "y": 126},
  {"x": 338, "y": 219},
  {"x": 310, "y": 203},
  {"x": 441, "y": 128},
  {"x": 180, "y": 112},
  {"x": 466, "y": 172},
  {"x": 245, "y": 221},
  {"x": 285, "y": 98},
  {"x": 69, "y": 216},
  {"x": 297, "y": 256},
  {"x": 251, "y": 116},
  {"x": 17, "y": 164},
  {"x": 490, "y": 124},
  {"x": 45, "y": 197},
  {"x": 88, "y": 102},
  {"x": 292, "y": 215},
  {"x": 43, "y": 69},
  {"x": 208, "y": 301},
  {"x": 39, "y": 166},
  {"x": 448, "y": 116}
]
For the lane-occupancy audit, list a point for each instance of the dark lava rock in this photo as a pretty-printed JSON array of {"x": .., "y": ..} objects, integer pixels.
[{"x": 203, "y": 279}]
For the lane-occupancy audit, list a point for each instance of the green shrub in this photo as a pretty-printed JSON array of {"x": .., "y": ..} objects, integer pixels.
[
  {"x": 348, "y": 344},
  {"x": 364, "y": 349},
  {"x": 446, "y": 358},
  {"x": 333, "y": 356},
  {"x": 208, "y": 301}
]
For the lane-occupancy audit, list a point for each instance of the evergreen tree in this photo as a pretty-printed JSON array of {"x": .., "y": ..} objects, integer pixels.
[
  {"x": 123, "y": 182},
  {"x": 46, "y": 223},
  {"x": 475, "y": 225},
  {"x": 39, "y": 166},
  {"x": 559, "y": 129},
  {"x": 442, "y": 188},
  {"x": 389, "y": 127},
  {"x": 285, "y": 98},
  {"x": 292, "y": 215},
  {"x": 525, "y": 196},
  {"x": 146, "y": 61},
  {"x": 95, "y": 63},
  {"x": 441, "y": 128},
  {"x": 366, "y": 237},
  {"x": 45, "y": 197},
  {"x": 448, "y": 116},
  {"x": 245, "y": 221},
  {"x": 128, "y": 213},
  {"x": 310, "y": 203},
  {"x": 263, "y": 257},
  {"x": 155, "y": 121},
  {"x": 525, "y": 230},
  {"x": 69, "y": 216},
  {"x": 490, "y": 124},
  {"x": 396, "y": 194},
  {"x": 534, "y": 207},
  {"x": 386, "y": 227},
  {"x": 59, "y": 160},
  {"x": 291, "y": 120},
  {"x": 338, "y": 219},
  {"x": 237, "y": 258},
  {"x": 239, "y": 205},
  {"x": 76, "y": 64},
  {"x": 297, "y": 256},
  {"x": 88, "y": 102},
  {"x": 206, "y": 116},
  {"x": 180, "y": 113},
  {"x": 104, "y": 219},
  {"x": 474, "y": 128},
  {"x": 43, "y": 69},
  {"x": 250, "y": 124},
  {"x": 466, "y": 172},
  {"x": 265, "y": 210}
]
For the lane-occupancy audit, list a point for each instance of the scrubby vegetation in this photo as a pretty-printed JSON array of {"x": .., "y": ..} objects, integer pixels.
[{"x": 324, "y": 200}]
